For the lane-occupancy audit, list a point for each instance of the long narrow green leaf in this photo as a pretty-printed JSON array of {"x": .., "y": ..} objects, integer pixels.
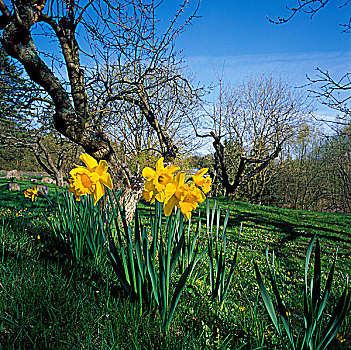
[
  {"x": 176, "y": 253},
  {"x": 207, "y": 217},
  {"x": 210, "y": 261},
  {"x": 266, "y": 298},
  {"x": 307, "y": 261},
  {"x": 117, "y": 263},
  {"x": 336, "y": 319},
  {"x": 153, "y": 277},
  {"x": 308, "y": 307},
  {"x": 213, "y": 216},
  {"x": 193, "y": 244},
  {"x": 178, "y": 291},
  {"x": 139, "y": 259},
  {"x": 131, "y": 265},
  {"x": 327, "y": 289},
  {"x": 218, "y": 220},
  {"x": 281, "y": 307},
  {"x": 232, "y": 267},
  {"x": 220, "y": 274},
  {"x": 224, "y": 232},
  {"x": 316, "y": 287}
]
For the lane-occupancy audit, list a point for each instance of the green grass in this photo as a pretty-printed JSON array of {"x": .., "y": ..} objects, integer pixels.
[
  {"x": 46, "y": 302},
  {"x": 16, "y": 199}
]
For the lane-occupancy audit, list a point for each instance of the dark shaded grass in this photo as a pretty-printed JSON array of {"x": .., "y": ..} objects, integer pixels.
[{"x": 47, "y": 303}]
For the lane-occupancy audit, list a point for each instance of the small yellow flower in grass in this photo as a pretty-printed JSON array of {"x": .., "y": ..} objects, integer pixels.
[
  {"x": 32, "y": 193},
  {"x": 90, "y": 179},
  {"x": 38, "y": 237},
  {"x": 340, "y": 337}
]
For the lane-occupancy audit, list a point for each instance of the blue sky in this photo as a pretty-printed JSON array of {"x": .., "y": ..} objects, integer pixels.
[{"x": 236, "y": 35}]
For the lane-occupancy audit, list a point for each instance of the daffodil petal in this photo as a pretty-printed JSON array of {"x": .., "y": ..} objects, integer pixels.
[
  {"x": 99, "y": 192},
  {"x": 172, "y": 168},
  {"x": 206, "y": 186},
  {"x": 106, "y": 180},
  {"x": 147, "y": 195},
  {"x": 102, "y": 167},
  {"x": 94, "y": 177},
  {"x": 186, "y": 207},
  {"x": 88, "y": 160},
  {"x": 187, "y": 215},
  {"x": 168, "y": 207},
  {"x": 179, "y": 178},
  {"x": 199, "y": 195},
  {"x": 160, "y": 196},
  {"x": 159, "y": 165},
  {"x": 79, "y": 170},
  {"x": 148, "y": 173},
  {"x": 149, "y": 186},
  {"x": 201, "y": 172},
  {"x": 169, "y": 191}
]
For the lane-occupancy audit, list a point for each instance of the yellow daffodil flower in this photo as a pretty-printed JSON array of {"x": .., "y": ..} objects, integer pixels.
[
  {"x": 185, "y": 197},
  {"x": 162, "y": 185},
  {"x": 191, "y": 198},
  {"x": 157, "y": 180},
  {"x": 82, "y": 182},
  {"x": 100, "y": 169},
  {"x": 90, "y": 179},
  {"x": 32, "y": 193},
  {"x": 203, "y": 182}
]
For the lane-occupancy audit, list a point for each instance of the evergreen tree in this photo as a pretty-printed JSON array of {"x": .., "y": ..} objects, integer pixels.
[{"x": 16, "y": 94}]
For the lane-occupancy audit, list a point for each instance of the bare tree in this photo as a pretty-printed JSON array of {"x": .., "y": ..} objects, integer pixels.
[
  {"x": 50, "y": 151},
  {"x": 314, "y": 173},
  {"x": 299, "y": 181},
  {"x": 334, "y": 92},
  {"x": 123, "y": 32},
  {"x": 336, "y": 164},
  {"x": 19, "y": 126},
  {"x": 249, "y": 126},
  {"x": 173, "y": 102}
]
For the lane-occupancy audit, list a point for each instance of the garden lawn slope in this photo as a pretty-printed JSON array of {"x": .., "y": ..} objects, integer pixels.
[{"x": 46, "y": 302}]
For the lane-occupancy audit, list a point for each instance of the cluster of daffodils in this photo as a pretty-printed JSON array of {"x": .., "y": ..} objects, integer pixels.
[
  {"x": 90, "y": 179},
  {"x": 32, "y": 193},
  {"x": 172, "y": 190}
]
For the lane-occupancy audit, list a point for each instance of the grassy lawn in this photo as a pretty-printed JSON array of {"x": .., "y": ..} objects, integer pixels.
[{"x": 48, "y": 302}]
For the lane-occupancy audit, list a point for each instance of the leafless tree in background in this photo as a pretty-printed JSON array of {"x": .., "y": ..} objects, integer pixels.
[
  {"x": 52, "y": 152},
  {"x": 332, "y": 91},
  {"x": 172, "y": 103},
  {"x": 250, "y": 123},
  {"x": 314, "y": 173}
]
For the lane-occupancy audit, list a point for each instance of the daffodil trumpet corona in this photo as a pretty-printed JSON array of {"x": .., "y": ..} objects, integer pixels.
[{"x": 90, "y": 179}]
